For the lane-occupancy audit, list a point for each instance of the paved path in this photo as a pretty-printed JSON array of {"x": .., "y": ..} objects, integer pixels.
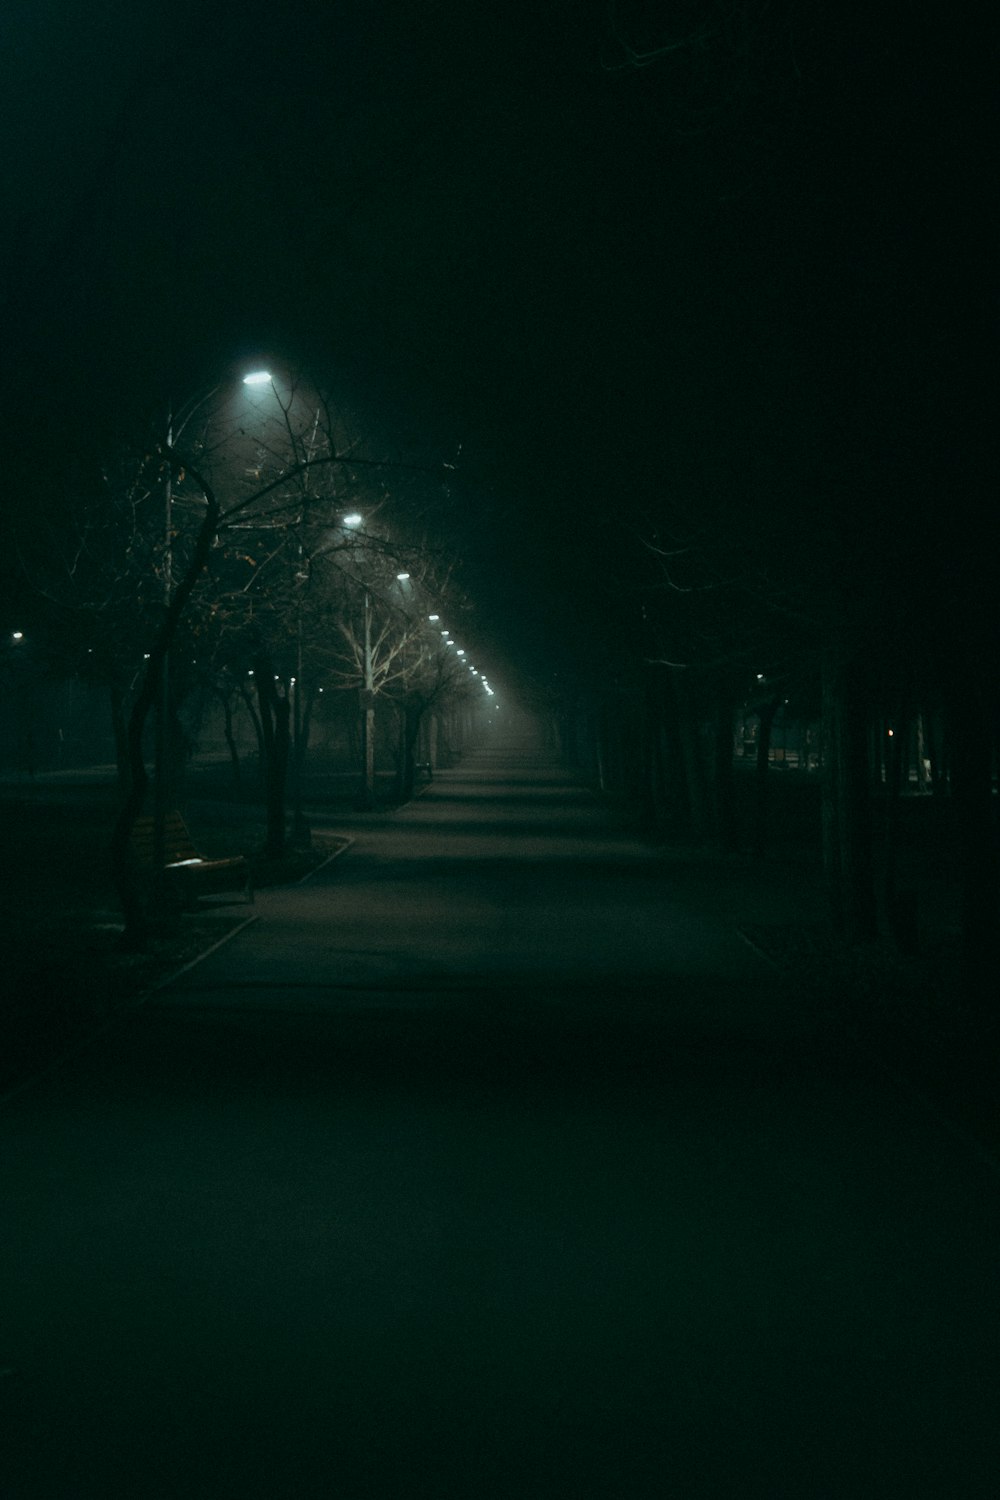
[{"x": 491, "y": 1163}]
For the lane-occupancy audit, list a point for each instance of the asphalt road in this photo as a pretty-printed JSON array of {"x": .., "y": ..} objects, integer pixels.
[{"x": 491, "y": 1162}]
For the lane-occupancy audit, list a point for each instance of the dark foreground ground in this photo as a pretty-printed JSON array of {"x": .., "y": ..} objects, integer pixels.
[{"x": 493, "y": 1161}]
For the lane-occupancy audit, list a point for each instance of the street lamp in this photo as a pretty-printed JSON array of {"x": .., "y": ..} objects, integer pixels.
[{"x": 257, "y": 377}]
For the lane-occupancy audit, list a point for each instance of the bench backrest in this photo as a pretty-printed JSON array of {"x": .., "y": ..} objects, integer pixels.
[{"x": 177, "y": 843}]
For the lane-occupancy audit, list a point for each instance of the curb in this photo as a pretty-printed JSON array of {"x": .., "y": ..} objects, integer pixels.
[
  {"x": 345, "y": 844},
  {"x": 192, "y": 963},
  {"x": 760, "y": 952}
]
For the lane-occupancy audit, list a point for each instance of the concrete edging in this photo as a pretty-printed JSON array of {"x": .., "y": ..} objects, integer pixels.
[{"x": 345, "y": 844}]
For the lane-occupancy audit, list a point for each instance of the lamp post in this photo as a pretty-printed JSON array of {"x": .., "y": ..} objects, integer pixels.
[
  {"x": 160, "y": 777},
  {"x": 300, "y": 827},
  {"x": 367, "y": 798},
  {"x": 366, "y": 692},
  {"x": 301, "y": 833}
]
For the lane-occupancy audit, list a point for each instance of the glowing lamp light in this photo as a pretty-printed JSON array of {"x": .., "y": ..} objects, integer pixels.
[
  {"x": 461, "y": 653},
  {"x": 17, "y": 635},
  {"x": 257, "y": 377},
  {"x": 402, "y": 577},
  {"x": 353, "y": 519},
  {"x": 434, "y": 617}
]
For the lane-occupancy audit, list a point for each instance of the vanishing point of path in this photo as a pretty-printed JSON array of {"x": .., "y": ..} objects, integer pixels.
[{"x": 491, "y": 1162}]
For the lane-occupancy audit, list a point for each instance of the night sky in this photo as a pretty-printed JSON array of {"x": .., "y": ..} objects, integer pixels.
[{"x": 624, "y": 259}]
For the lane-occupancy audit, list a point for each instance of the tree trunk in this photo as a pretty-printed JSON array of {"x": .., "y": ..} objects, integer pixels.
[
  {"x": 900, "y": 900},
  {"x": 696, "y": 801},
  {"x": 601, "y": 749},
  {"x": 366, "y": 799},
  {"x": 762, "y": 774},
  {"x": 934, "y": 740},
  {"x": 119, "y": 728},
  {"x": 676, "y": 802},
  {"x": 366, "y": 793},
  {"x": 276, "y": 738},
  {"x": 410, "y": 719},
  {"x": 302, "y": 727},
  {"x": 971, "y": 726},
  {"x": 130, "y": 896},
  {"x": 234, "y": 755},
  {"x": 847, "y": 833},
  {"x": 723, "y": 777},
  {"x": 258, "y": 729},
  {"x": 654, "y": 767}
]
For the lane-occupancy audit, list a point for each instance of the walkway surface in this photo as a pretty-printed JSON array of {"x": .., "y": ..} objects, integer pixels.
[{"x": 488, "y": 1163}]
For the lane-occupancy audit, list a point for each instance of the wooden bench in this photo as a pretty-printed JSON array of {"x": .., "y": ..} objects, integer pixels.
[{"x": 188, "y": 872}]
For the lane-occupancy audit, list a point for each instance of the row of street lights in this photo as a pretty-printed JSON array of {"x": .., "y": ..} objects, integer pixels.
[
  {"x": 449, "y": 642},
  {"x": 259, "y": 380},
  {"x": 354, "y": 521}
]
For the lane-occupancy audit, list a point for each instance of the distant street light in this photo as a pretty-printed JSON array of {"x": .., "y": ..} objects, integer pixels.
[
  {"x": 257, "y": 377},
  {"x": 353, "y": 519}
]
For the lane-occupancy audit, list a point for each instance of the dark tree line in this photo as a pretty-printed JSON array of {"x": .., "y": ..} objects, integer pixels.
[{"x": 823, "y": 529}]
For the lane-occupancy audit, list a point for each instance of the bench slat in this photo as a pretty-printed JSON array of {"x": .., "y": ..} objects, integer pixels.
[{"x": 183, "y": 860}]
